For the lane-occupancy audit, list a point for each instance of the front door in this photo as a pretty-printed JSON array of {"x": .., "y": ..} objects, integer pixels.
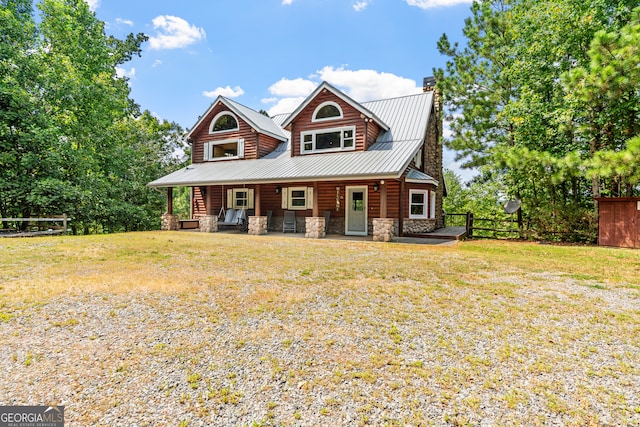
[{"x": 356, "y": 211}]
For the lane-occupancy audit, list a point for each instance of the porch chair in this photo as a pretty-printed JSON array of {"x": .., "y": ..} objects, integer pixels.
[
  {"x": 289, "y": 221},
  {"x": 326, "y": 215},
  {"x": 269, "y": 215}
]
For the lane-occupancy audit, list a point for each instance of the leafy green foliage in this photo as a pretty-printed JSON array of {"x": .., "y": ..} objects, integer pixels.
[
  {"x": 71, "y": 139},
  {"x": 544, "y": 97}
]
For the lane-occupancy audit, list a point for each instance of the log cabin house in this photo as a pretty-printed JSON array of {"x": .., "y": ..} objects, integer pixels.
[{"x": 336, "y": 165}]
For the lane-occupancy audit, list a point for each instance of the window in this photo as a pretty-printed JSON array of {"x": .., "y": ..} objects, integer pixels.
[
  {"x": 224, "y": 150},
  {"x": 327, "y": 111},
  {"x": 338, "y": 139},
  {"x": 297, "y": 198},
  {"x": 418, "y": 203},
  {"x": 223, "y": 122},
  {"x": 240, "y": 198}
]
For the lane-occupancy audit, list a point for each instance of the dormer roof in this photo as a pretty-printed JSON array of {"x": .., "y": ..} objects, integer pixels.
[
  {"x": 256, "y": 120},
  {"x": 326, "y": 86}
]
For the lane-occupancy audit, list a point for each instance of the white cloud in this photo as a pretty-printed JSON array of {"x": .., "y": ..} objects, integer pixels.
[
  {"x": 361, "y": 85},
  {"x": 228, "y": 91},
  {"x": 285, "y": 105},
  {"x": 430, "y": 4},
  {"x": 286, "y": 2},
  {"x": 361, "y": 5},
  {"x": 124, "y": 21},
  {"x": 296, "y": 87},
  {"x": 122, "y": 72},
  {"x": 156, "y": 63},
  {"x": 174, "y": 32},
  {"x": 93, "y": 4},
  {"x": 368, "y": 85}
]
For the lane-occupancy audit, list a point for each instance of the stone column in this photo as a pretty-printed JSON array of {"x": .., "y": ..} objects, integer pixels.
[
  {"x": 208, "y": 224},
  {"x": 314, "y": 227},
  {"x": 257, "y": 225},
  {"x": 384, "y": 229},
  {"x": 170, "y": 222}
]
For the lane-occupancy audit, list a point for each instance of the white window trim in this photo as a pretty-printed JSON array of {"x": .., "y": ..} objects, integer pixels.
[
  {"x": 208, "y": 150},
  {"x": 425, "y": 204},
  {"x": 232, "y": 198},
  {"x": 432, "y": 204},
  {"x": 328, "y": 130},
  {"x": 315, "y": 112},
  {"x": 287, "y": 198},
  {"x": 215, "y": 119}
]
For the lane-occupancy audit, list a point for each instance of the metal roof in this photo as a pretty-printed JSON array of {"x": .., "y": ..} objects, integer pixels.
[
  {"x": 422, "y": 178},
  {"x": 407, "y": 118},
  {"x": 259, "y": 121}
]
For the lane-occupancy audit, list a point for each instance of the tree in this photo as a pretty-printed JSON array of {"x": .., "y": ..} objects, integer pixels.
[
  {"x": 607, "y": 93},
  {"x": 71, "y": 139},
  {"x": 512, "y": 111}
]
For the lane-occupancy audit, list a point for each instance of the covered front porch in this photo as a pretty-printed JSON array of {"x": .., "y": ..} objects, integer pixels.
[{"x": 378, "y": 208}]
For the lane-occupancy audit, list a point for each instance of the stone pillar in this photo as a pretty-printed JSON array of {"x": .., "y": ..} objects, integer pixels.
[
  {"x": 257, "y": 225},
  {"x": 314, "y": 227},
  {"x": 209, "y": 224},
  {"x": 170, "y": 222},
  {"x": 384, "y": 229}
]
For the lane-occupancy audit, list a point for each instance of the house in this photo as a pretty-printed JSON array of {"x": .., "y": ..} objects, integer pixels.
[{"x": 371, "y": 168}]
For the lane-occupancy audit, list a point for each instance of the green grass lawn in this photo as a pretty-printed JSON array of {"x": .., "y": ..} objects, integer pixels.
[{"x": 505, "y": 333}]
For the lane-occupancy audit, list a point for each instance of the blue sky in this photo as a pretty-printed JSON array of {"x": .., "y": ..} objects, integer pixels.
[{"x": 271, "y": 54}]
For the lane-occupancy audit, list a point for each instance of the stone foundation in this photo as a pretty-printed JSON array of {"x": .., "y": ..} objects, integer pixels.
[
  {"x": 384, "y": 229},
  {"x": 314, "y": 227},
  {"x": 418, "y": 226},
  {"x": 257, "y": 225},
  {"x": 170, "y": 222},
  {"x": 209, "y": 224}
]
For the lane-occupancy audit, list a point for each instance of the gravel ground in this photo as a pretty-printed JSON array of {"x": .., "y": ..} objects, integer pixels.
[{"x": 376, "y": 353}]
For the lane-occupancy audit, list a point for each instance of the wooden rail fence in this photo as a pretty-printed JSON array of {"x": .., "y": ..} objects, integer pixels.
[
  {"x": 497, "y": 227},
  {"x": 64, "y": 219}
]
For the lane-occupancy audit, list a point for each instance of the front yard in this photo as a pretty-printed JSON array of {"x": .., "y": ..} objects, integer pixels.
[{"x": 191, "y": 329}]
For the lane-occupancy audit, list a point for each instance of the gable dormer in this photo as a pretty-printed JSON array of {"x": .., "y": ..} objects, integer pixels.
[
  {"x": 329, "y": 121},
  {"x": 231, "y": 131}
]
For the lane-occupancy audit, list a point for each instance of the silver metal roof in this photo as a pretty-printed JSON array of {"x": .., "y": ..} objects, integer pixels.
[
  {"x": 416, "y": 176},
  {"x": 407, "y": 118},
  {"x": 260, "y": 122}
]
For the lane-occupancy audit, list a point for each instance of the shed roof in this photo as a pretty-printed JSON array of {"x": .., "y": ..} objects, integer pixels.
[{"x": 407, "y": 119}]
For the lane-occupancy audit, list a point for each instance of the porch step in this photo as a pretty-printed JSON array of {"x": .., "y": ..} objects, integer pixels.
[{"x": 446, "y": 233}]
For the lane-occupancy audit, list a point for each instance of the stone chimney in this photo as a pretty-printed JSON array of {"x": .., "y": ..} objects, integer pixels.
[{"x": 433, "y": 152}]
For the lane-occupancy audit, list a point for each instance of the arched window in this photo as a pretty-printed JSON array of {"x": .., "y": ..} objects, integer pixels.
[
  {"x": 327, "y": 111},
  {"x": 223, "y": 122}
]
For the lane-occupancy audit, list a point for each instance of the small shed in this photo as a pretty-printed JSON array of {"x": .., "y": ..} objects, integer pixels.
[{"x": 619, "y": 221}]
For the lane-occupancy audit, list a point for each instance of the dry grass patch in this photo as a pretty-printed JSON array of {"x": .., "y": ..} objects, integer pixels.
[{"x": 240, "y": 330}]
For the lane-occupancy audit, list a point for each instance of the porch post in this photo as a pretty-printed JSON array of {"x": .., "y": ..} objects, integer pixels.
[
  {"x": 209, "y": 200},
  {"x": 209, "y": 222},
  {"x": 257, "y": 200},
  {"x": 169, "y": 220},
  {"x": 401, "y": 209},
  {"x": 316, "y": 208},
  {"x": 383, "y": 199}
]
